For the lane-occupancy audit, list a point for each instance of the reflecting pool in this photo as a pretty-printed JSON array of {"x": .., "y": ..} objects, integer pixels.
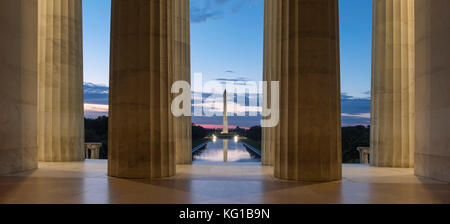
[{"x": 225, "y": 151}]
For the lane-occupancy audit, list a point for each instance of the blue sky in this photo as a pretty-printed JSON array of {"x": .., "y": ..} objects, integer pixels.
[
  {"x": 96, "y": 31},
  {"x": 227, "y": 38},
  {"x": 227, "y": 42}
]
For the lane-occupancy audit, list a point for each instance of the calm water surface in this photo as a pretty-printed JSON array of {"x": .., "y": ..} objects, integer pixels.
[{"x": 225, "y": 151}]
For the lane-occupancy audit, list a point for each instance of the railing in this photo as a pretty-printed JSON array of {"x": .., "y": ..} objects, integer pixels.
[
  {"x": 364, "y": 155},
  {"x": 198, "y": 147},
  {"x": 253, "y": 149},
  {"x": 92, "y": 150}
]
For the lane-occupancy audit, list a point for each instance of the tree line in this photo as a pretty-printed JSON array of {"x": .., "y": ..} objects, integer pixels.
[{"x": 96, "y": 130}]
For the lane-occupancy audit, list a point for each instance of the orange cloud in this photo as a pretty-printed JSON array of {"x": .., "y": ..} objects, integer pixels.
[{"x": 98, "y": 108}]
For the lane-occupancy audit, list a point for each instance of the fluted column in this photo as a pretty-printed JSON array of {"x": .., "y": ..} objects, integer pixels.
[
  {"x": 270, "y": 135},
  {"x": 304, "y": 57},
  {"x": 18, "y": 85},
  {"x": 60, "y": 81},
  {"x": 182, "y": 63},
  {"x": 392, "y": 123},
  {"x": 432, "y": 155},
  {"x": 146, "y": 52}
]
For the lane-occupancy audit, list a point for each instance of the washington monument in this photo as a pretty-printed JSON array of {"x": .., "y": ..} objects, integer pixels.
[{"x": 225, "y": 115}]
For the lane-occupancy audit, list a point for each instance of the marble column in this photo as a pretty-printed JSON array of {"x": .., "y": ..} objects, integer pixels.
[
  {"x": 432, "y": 155},
  {"x": 182, "y": 63},
  {"x": 18, "y": 85},
  {"x": 270, "y": 135},
  {"x": 149, "y": 50},
  {"x": 60, "y": 81},
  {"x": 392, "y": 117},
  {"x": 302, "y": 52}
]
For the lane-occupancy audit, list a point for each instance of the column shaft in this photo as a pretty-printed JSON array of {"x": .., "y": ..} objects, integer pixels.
[
  {"x": 60, "y": 81},
  {"x": 270, "y": 136},
  {"x": 18, "y": 82},
  {"x": 432, "y": 155},
  {"x": 392, "y": 122},
  {"x": 302, "y": 52},
  {"x": 149, "y": 50},
  {"x": 182, "y": 63}
]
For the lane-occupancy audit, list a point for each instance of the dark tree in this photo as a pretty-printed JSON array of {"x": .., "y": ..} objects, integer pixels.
[
  {"x": 239, "y": 131},
  {"x": 96, "y": 130},
  {"x": 198, "y": 132},
  {"x": 254, "y": 133},
  {"x": 352, "y": 138}
]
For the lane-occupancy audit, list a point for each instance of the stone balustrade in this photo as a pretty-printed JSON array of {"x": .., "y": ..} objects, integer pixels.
[
  {"x": 364, "y": 155},
  {"x": 92, "y": 150}
]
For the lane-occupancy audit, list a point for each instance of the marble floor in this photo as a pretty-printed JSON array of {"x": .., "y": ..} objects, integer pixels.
[{"x": 87, "y": 182}]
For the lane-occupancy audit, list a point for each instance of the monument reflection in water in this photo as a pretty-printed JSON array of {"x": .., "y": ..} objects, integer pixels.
[{"x": 225, "y": 151}]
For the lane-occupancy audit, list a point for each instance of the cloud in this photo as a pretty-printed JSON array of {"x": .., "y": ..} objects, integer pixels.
[
  {"x": 206, "y": 10},
  {"x": 216, "y": 107},
  {"x": 365, "y": 115},
  {"x": 353, "y": 105},
  {"x": 95, "y": 110},
  {"x": 355, "y": 111},
  {"x": 237, "y": 103},
  {"x": 202, "y": 11},
  {"x": 96, "y": 94},
  {"x": 236, "y": 8},
  {"x": 235, "y": 81},
  {"x": 369, "y": 93},
  {"x": 95, "y": 100},
  {"x": 221, "y": 2},
  {"x": 239, "y": 79}
]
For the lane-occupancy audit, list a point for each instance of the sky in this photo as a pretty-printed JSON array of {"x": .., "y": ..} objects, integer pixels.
[{"x": 227, "y": 45}]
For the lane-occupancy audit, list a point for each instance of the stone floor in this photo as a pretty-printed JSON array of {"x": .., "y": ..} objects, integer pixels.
[{"x": 87, "y": 182}]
